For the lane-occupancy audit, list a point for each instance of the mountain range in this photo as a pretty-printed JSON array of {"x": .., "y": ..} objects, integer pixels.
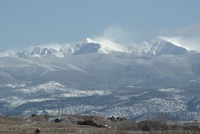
[
  {"x": 155, "y": 47},
  {"x": 99, "y": 77}
]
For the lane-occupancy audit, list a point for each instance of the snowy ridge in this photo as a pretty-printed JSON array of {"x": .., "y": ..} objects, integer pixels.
[
  {"x": 59, "y": 90},
  {"x": 8, "y": 54},
  {"x": 50, "y": 87},
  {"x": 36, "y": 52},
  {"x": 107, "y": 47},
  {"x": 155, "y": 47}
]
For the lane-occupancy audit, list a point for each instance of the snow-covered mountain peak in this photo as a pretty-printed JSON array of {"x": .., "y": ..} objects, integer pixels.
[
  {"x": 85, "y": 46},
  {"x": 93, "y": 46},
  {"x": 161, "y": 46},
  {"x": 158, "y": 46},
  {"x": 170, "y": 47},
  {"x": 37, "y": 51},
  {"x": 54, "y": 46},
  {"x": 108, "y": 46},
  {"x": 175, "y": 42},
  {"x": 8, "y": 54},
  {"x": 89, "y": 40},
  {"x": 159, "y": 40}
]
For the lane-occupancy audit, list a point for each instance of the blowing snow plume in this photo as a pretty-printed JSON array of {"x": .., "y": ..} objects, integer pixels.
[
  {"x": 190, "y": 43},
  {"x": 188, "y": 37},
  {"x": 116, "y": 34},
  {"x": 114, "y": 38}
]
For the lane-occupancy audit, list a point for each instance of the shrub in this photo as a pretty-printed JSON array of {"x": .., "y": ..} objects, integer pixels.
[
  {"x": 37, "y": 131},
  {"x": 145, "y": 128},
  {"x": 57, "y": 120},
  {"x": 88, "y": 122}
]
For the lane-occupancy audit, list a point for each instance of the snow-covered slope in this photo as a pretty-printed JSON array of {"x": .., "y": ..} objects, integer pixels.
[
  {"x": 8, "y": 54},
  {"x": 154, "y": 47},
  {"x": 36, "y": 52}
]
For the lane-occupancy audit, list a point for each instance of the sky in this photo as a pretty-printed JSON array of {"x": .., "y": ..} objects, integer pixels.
[{"x": 25, "y": 23}]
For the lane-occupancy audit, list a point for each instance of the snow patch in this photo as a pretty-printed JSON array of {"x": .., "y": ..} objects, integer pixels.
[
  {"x": 16, "y": 85},
  {"x": 80, "y": 93},
  {"x": 50, "y": 87},
  {"x": 14, "y": 101},
  {"x": 171, "y": 90}
]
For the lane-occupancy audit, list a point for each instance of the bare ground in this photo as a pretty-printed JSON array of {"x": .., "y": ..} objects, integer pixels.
[{"x": 28, "y": 125}]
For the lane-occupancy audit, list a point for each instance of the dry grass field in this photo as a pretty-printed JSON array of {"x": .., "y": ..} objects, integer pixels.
[{"x": 41, "y": 125}]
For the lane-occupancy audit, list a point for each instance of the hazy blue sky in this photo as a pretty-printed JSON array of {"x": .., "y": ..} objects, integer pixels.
[{"x": 34, "y": 22}]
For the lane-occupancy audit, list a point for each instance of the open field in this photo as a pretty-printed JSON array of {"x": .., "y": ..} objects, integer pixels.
[{"x": 42, "y": 125}]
